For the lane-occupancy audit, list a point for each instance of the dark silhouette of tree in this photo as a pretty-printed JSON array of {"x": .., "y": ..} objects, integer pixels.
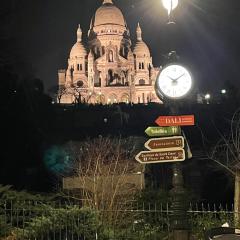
[
  {"x": 57, "y": 92},
  {"x": 79, "y": 92},
  {"x": 226, "y": 153}
]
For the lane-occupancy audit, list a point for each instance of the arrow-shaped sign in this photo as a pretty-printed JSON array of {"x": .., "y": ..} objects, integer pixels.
[
  {"x": 185, "y": 120},
  {"x": 163, "y": 131},
  {"x": 168, "y": 142},
  {"x": 159, "y": 156}
]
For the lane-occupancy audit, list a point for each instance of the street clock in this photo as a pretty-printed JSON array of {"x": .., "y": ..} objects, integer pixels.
[{"x": 174, "y": 81}]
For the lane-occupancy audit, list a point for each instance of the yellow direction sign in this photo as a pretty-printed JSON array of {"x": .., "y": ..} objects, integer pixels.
[
  {"x": 161, "y": 143},
  {"x": 160, "y": 156}
]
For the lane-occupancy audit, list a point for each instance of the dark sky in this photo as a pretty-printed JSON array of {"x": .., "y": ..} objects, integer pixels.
[{"x": 207, "y": 35}]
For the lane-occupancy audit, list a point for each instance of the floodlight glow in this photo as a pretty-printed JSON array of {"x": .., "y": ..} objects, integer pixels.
[
  {"x": 223, "y": 91},
  {"x": 170, "y": 5}
]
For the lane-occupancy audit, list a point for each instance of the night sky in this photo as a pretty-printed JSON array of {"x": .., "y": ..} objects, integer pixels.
[{"x": 207, "y": 35}]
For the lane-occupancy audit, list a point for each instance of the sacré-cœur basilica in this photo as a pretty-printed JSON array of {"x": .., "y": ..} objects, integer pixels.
[{"x": 110, "y": 69}]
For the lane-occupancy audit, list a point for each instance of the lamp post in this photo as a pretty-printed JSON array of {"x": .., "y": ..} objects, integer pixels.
[{"x": 174, "y": 82}]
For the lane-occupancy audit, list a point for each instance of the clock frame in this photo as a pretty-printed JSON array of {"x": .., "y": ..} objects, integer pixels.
[{"x": 174, "y": 81}]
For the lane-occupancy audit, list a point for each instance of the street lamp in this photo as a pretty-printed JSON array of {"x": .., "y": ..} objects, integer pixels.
[
  {"x": 223, "y": 91},
  {"x": 105, "y": 120},
  {"x": 169, "y": 5},
  {"x": 207, "y": 97}
]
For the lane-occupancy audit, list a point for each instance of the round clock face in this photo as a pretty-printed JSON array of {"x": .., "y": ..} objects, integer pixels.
[{"x": 174, "y": 81}]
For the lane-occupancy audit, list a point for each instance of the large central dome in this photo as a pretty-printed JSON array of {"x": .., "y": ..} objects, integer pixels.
[{"x": 108, "y": 13}]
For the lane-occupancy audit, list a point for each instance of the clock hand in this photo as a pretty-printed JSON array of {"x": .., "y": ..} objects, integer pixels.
[
  {"x": 170, "y": 78},
  {"x": 180, "y": 76},
  {"x": 175, "y": 79}
]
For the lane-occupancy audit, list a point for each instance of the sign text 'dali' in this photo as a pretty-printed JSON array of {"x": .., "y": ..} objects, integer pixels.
[{"x": 185, "y": 120}]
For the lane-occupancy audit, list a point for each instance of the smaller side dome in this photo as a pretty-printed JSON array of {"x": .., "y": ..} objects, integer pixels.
[
  {"x": 141, "y": 49},
  {"x": 78, "y": 50}
]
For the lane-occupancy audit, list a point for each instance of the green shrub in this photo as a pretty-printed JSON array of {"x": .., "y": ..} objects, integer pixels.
[
  {"x": 201, "y": 222},
  {"x": 73, "y": 220},
  {"x": 4, "y": 227}
]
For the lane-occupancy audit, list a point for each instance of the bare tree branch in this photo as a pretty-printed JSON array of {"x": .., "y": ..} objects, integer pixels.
[{"x": 105, "y": 171}]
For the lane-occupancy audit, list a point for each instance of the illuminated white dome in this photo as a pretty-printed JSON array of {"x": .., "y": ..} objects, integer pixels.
[
  {"x": 108, "y": 13},
  {"x": 78, "y": 50},
  {"x": 141, "y": 49}
]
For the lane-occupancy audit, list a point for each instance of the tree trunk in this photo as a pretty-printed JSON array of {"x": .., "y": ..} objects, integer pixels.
[{"x": 237, "y": 198}]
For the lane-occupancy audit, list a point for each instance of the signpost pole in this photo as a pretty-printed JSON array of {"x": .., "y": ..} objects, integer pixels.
[{"x": 179, "y": 220}]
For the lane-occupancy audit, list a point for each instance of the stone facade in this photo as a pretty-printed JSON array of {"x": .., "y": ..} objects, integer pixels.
[{"x": 111, "y": 70}]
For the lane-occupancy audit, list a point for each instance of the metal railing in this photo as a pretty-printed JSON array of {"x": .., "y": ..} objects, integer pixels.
[{"x": 38, "y": 220}]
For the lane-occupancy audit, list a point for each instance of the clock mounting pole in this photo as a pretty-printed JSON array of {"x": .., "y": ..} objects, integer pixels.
[{"x": 171, "y": 91}]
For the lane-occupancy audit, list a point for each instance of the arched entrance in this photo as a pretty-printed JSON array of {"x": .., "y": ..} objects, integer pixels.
[
  {"x": 100, "y": 99},
  {"x": 112, "y": 99},
  {"x": 125, "y": 98}
]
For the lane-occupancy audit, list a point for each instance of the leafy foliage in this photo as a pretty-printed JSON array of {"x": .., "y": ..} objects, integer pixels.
[
  {"x": 72, "y": 221},
  {"x": 205, "y": 221}
]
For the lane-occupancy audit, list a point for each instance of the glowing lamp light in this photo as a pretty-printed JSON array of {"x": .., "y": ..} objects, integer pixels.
[
  {"x": 207, "y": 96},
  {"x": 223, "y": 91},
  {"x": 170, "y": 5},
  {"x": 105, "y": 120}
]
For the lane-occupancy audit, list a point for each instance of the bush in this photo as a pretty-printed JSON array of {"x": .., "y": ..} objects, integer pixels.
[
  {"x": 72, "y": 221},
  {"x": 202, "y": 222},
  {"x": 4, "y": 227}
]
